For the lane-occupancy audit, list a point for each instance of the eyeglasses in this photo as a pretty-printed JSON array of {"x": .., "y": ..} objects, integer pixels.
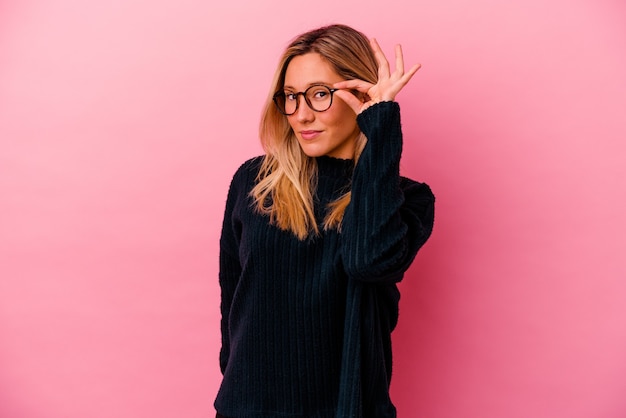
[{"x": 318, "y": 97}]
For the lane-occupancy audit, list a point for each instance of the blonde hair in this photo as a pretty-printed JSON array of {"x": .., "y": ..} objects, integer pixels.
[{"x": 288, "y": 177}]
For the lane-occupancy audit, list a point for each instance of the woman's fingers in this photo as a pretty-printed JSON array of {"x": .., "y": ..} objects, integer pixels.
[
  {"x": 399, "y": 60},
  {"x": 404, "y": 79},
  {"x": 360, "y": 85},
  {"x": 383, "y": 64},
  {"x": 351, "y": 100},
  {"x": 386, "y": 88}
]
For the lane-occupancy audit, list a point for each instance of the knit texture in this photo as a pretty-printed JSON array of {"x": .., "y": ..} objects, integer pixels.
[{"x": 306, "y": 325}]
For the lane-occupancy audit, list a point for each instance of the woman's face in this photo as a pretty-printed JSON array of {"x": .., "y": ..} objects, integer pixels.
[{"x": 332, "y": 132}]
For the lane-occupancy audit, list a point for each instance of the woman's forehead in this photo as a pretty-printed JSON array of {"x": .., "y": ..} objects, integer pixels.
[{"x": 308, "y": 69}]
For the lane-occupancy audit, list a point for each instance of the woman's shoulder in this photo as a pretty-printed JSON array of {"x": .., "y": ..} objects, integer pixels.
[
  {"x": 416, "y": 189},
  {"x": 408, "y": 182},
  {"x": 252, "y": 164},
  {"x": 245, "y": 176},
  {"x": 249, "y": 167}
]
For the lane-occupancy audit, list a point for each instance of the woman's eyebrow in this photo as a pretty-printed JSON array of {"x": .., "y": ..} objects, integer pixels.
[{"x": 314, "y": 83}]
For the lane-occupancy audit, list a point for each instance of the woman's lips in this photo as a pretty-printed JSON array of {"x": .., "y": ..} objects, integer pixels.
[{"x": 308, "y": 135}]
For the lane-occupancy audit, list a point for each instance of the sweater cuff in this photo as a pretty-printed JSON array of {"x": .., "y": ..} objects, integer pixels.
[
  {"x": 370, "y": 113},
  {"x": 381, "y": 125}
]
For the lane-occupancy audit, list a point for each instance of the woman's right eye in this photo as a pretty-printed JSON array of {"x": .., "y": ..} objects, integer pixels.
[{"x": 290, "y": 96}]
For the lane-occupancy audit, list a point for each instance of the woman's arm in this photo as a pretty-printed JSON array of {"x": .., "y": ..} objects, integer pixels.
[
  {"x": 230, "y": 266},
  {"x": 389, "y": 217}
]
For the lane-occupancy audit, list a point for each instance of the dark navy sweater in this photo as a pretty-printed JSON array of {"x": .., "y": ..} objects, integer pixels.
[{"x": 306, "y": 325}]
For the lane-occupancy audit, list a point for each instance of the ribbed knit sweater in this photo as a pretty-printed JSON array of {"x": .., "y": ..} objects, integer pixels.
[{"x": 306, "y": 325}]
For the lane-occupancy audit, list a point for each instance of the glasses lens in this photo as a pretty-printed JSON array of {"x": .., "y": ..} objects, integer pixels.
[
  {"x": 280, "y": 102},
  {"x": 319, "y": 97}
]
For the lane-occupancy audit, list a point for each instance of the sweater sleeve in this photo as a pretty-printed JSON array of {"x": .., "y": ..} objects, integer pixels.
[
  {"x": 229, "y": 264},
  {"x": 389, "y": 217}
]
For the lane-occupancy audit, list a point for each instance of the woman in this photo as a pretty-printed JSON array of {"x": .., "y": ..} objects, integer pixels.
[{"x": 316, "y": 234}]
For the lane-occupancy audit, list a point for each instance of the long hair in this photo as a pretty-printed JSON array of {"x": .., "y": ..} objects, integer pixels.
[{"x": 288, "y": 177}]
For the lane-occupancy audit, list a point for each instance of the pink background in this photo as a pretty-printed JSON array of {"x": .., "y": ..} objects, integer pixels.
[{"x": 122, "y": 122}]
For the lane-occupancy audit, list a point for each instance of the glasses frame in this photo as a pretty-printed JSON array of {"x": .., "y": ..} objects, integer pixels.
[{"x": 306, "y": 99}]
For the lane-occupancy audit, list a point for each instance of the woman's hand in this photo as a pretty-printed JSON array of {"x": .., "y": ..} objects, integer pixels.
[{"x": 388, "y": 85}]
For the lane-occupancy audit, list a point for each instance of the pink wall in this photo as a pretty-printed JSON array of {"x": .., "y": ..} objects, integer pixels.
[{"x": 121, "y": 123}]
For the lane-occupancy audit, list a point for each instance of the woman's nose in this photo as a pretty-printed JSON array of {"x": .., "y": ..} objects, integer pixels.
[{"x": 304, "y": 112}]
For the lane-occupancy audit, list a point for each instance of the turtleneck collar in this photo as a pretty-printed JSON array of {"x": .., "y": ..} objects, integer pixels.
[{"x": 334, "y": 167}]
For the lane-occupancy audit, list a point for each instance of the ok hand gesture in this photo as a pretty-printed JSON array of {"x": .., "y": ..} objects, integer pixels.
[{"x": 388, "y": 85}]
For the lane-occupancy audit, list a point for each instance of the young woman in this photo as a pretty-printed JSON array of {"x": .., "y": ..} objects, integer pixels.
[{"x": 316, "y": 234}]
